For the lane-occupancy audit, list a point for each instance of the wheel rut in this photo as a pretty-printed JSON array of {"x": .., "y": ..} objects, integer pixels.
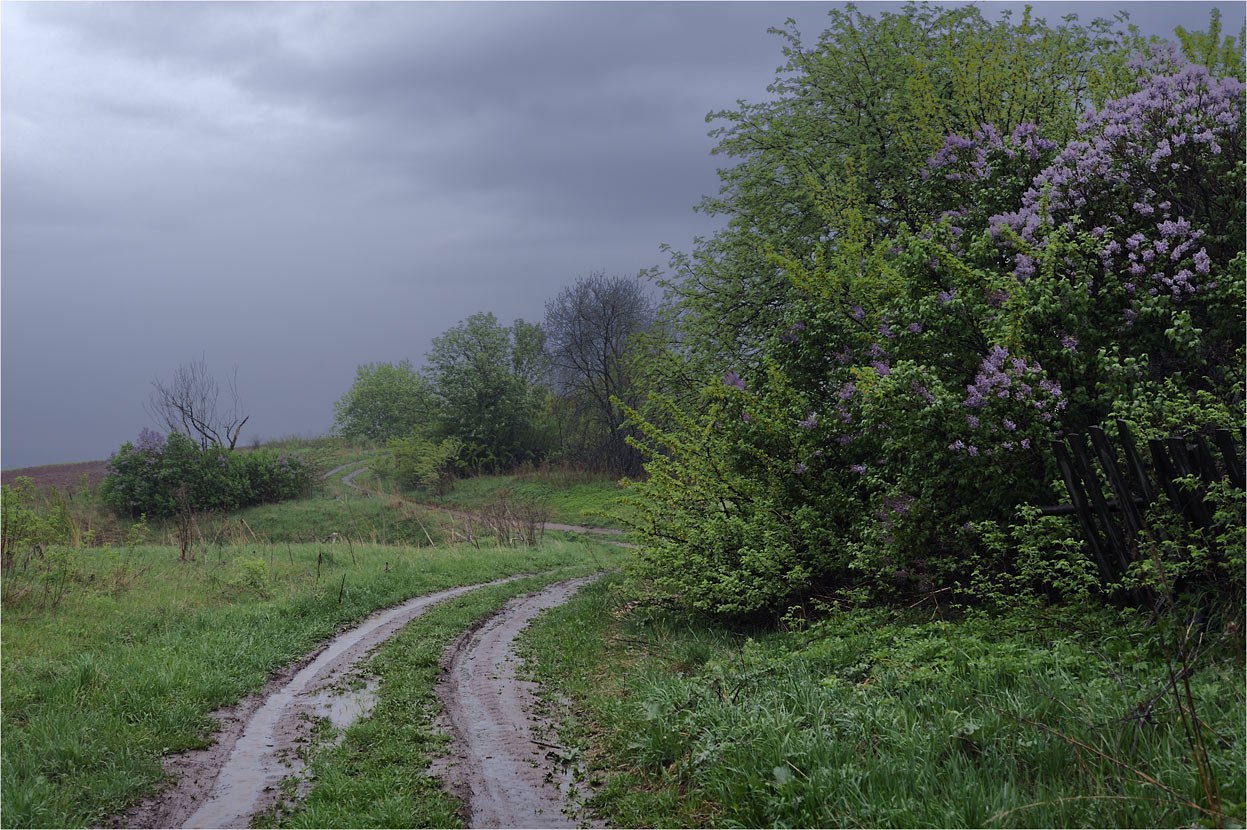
[
  {"x": 498, "y": 766},
  {"x": 239, "y": 776},
  {"x": 499, "y": 772}
]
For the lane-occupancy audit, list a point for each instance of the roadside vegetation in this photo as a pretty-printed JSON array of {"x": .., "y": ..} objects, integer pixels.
[
  {"x": 138, "y": 648},
  {"x": 872, "y": 717}
]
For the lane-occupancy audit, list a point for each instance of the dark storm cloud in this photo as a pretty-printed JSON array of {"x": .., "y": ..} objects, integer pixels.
[{"x": 298, "y": 188}]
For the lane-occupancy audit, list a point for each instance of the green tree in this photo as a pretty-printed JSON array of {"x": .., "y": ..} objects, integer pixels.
[
  {"x": 387, "y": 400},
  {"x": 485, "y": 377},
  {"x": 835, "y": 158}
]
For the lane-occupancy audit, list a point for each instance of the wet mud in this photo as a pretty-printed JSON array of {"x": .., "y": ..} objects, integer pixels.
[{"x": 499, "y": 765}]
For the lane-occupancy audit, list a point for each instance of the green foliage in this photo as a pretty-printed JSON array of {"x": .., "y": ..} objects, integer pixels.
[
  {"x": 1222, "y": 57},
  {"x": 161, "y": 477},
  {"x": 23, "y": 526},
  {"x": 835, "y": 157},
  {"x": 485, "y": 376},
  {"x": 386, "y": 401},
  {"x": 417, "y": 462},
  {"x": 905, "y": 330},
  {"x": 881, "y": 718}
]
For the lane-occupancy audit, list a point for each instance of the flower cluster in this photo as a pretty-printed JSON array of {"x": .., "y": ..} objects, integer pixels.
[
  {"x": 1142, "y": 167},
  {"x": 150, "y": 442},
  {"x": 1009, "y": 397},
  {"x": 972, "y": 159}
]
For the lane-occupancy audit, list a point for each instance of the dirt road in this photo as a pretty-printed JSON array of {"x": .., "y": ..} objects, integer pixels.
[
  {"x": 237, "y": 777},
  {"x": 503, "y": 777},
  {"x": 499, "y": 767}
]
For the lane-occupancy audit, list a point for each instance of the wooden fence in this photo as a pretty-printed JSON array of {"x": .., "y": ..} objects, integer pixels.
[{"x": 1111, "y": 526}]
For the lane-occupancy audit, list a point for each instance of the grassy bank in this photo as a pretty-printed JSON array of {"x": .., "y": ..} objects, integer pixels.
[
  {"x": 116, "y": 656},
  {"x": 879, "y": 718},
  {"x": 377, "y": 520}
]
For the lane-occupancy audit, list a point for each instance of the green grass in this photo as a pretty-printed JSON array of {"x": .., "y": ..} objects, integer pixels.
[
  {"x": 349, "y": 515},
  {"x": 326, "y": 452},
  {"x": 139, "y": 648},
  {"x": 571, "y": 499},
  {"x": 876, "y": 718}
]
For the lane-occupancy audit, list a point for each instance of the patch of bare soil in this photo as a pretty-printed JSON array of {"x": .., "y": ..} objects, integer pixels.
[
  {"x": 59, "y": 475},
  {"x": 240, "y": 775},
  {"x": 499, "y": 765}
]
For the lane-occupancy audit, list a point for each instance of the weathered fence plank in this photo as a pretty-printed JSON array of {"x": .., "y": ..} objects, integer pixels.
[{"x": 1112, "y": 539}]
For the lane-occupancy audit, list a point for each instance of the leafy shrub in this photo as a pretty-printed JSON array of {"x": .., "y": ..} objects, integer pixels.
[
  {"x": 421, "y": 462},
  {"x": 885, "y": 436},
  {"x": 22, "y": 526},
  {"x": 160, "y": 477}
]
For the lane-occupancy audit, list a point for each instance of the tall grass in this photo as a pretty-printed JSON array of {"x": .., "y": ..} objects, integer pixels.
[
  {"x": 141, "y": 648},
  {"x": 874, "y": 718}
]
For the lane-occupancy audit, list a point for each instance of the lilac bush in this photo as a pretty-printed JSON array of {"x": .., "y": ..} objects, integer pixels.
[{"x": 1054, "y": 286}]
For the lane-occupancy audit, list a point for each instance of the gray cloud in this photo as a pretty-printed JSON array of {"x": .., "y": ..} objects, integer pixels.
[{"x": 298, "y": 188}]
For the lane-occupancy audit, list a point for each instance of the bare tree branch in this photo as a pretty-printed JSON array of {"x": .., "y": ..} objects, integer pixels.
[{"x": 189, "y": 404}]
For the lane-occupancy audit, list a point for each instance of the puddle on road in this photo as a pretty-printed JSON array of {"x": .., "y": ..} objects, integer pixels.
[{"x": 344, "y": 707}]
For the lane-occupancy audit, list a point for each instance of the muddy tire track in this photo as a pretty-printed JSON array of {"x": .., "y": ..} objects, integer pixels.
[
  {"x": 239, "y": 775},
  {"x": 498, "y": 766}
]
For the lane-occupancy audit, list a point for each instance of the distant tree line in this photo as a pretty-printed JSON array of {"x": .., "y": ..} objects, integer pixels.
[{"x": 492, "y": 397}]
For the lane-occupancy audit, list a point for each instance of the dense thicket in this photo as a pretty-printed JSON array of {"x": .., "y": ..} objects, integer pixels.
[
  {"x": 925, "y": 279},
  {"x": 161, "y": 476}
]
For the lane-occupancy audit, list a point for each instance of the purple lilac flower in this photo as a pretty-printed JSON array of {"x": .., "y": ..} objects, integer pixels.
[
  {"x": 946, "y": 297},
  {"x": 1178, "y": 118},
  {"x": 882, "y": 368},
  {"x": 1069, "y": 342},
  {"x": 733, "y": 379},
  {"x": 150, "y": 441},
  {"x": 809, "y": 422},
  {"x": 860, "y": 469},
  {"x": 915, "y": 328},
  {"x": 800, "y": 469}
]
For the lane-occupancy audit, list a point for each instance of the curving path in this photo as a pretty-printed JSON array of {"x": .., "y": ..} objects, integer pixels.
[
  {"x": 349, "y": 481},
  {"x": 238, "y": 777}
]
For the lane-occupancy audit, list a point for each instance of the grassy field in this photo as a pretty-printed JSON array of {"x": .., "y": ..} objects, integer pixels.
[
  {"x": 113, "y": 657},
  {"x": 880, "y": 718}
]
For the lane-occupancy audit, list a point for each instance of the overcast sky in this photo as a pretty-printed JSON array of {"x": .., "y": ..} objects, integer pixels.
[{"x": 296, "y": 189}]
